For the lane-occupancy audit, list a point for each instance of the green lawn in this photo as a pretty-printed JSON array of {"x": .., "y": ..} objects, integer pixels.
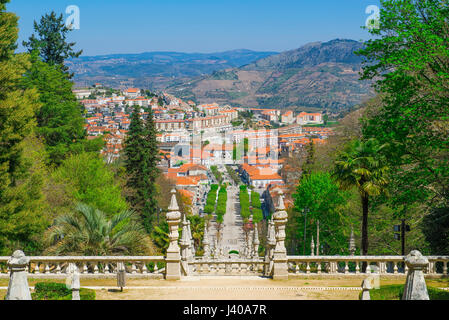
[{"x": 394, "y": 292}]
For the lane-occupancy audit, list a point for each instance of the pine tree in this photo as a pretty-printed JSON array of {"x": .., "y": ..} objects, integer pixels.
[{"x": 51, "y": 42}]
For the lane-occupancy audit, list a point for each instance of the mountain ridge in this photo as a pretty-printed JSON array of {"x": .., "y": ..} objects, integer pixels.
[{"x": 318, "y": 75}]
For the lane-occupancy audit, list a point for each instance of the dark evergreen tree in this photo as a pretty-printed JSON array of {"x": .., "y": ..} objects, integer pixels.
[
  {"x": 151, "y": 171},
  {"x": 135, "y": 156},
  {"x": 51, "y": 41}
]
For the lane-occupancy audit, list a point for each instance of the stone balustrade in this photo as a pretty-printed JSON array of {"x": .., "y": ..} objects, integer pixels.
[
  {"x": 229, "y": 267},
  {"x": 101, "y": 267},
  {"x": 352, "y": 265},
  {"x": 154, "y": 266}
]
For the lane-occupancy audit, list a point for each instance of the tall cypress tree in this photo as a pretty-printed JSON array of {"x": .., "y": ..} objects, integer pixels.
[
  {"x": 151, "y": 161},
  {"x": 141, "y": 166},
  {"x": 134, "y": 161}
]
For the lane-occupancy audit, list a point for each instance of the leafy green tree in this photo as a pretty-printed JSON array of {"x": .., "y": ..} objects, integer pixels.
[
  {"x": 197, "y": 227},
  {"x": 60, "y": 117},
  {"x": 50, "y": 41},
  {"x": 409, "y": 59},
  {"x": 87, "y": 179},
  {"x": 22, "y": 217},
  {"x": 361, "y": 165},
  {"x": 89, "y": 232},
  {"x": 160, "y": 237},
  {"x": 324, "y": 202}
]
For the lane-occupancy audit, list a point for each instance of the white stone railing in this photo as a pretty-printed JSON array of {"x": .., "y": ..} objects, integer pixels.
[
  {"x": 90, "y": 266},
  {"x": 229, "y": 267},
  {"x": 352, "y": 265}
]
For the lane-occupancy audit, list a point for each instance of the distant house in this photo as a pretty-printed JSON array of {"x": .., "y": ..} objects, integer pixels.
[
  {"x": 132, "y": 93},
  {"x": 287, "y": 118},
  {"x": 309, "y": 118}
]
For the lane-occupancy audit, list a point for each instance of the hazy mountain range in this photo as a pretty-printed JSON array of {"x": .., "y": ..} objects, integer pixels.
[{"x": 315, "y": 76}]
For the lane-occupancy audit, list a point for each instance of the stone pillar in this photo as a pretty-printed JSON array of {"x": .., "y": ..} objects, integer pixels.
[
  {"x": 366, "y": 287},
  {"x": 18, "y": 282},
  {"x": 192, "y": 251},
  {"x": 415, "y": 287},
  {"x": 256, "y": 242},
  {"x": 280, "y": 267},
  {"x": 271, "y": 243},
  {"x": 76, "y": 285},
  {"x": 185, "y": 246},
  {"x": 173, "y": 260}
]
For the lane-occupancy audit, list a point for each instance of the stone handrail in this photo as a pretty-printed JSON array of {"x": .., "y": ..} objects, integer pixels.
[
  {"x": 89, "y": 266},
  {"x": 352, "y": 265}
]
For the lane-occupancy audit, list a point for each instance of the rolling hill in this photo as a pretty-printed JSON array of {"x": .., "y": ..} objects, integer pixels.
[
  {"x": 156, "y": 70},
  {"x": 315, "y": 76}
]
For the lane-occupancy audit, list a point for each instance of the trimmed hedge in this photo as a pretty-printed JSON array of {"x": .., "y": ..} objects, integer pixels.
[
  {"x": 244, "y": 202},
  {"x": 221, "y": 204},
  {"x": 255, "y": 200}
]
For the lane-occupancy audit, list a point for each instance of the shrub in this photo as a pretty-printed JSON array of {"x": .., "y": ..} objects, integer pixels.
[
  {"x": 255, "y": 200},
  {"x": 59, "y": 291}
]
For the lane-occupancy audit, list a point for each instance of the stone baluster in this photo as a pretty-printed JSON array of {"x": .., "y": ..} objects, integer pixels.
[
  {"x": 173, "y": 268},
  {"x": 280, "y": 267},
  {"x": 395, "y": 268},
  {"x": 319, "y": 268},
  {"x": 85, "y": 269},
  {"x": 357, "y": 267},
  {"x": 106, "y": 267},
  {"x": 58, "y": 268},
  {"x": 415, "y": 287},
  {"x": 445, "y": 267},
  {"x": 144, "y": 268},
  {"x": 96, "y": 269},
  {"x": 368, "y": 267},
  {"x": 47, "y": 268},
  {"x": 36, "y": 268},
  {"x": 18, "y": 280},
  {"x": 346, "y": 267}
]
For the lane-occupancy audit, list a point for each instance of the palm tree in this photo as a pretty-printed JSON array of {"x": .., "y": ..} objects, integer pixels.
[
  {"x": 362, "y": 165},
  {"x": 89, "y": 232}
]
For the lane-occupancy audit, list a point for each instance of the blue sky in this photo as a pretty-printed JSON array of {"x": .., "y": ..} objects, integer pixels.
[{"x": 134, "y": 26}]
